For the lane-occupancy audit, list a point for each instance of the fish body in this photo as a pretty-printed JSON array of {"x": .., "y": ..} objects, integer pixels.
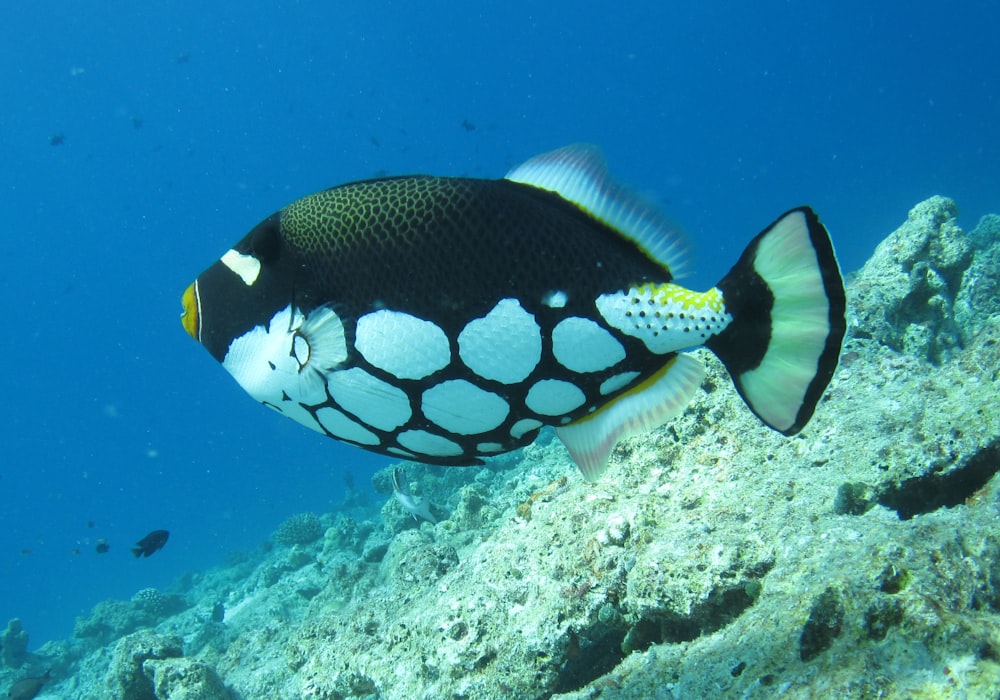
[
  {"x": 28, "y": 688},
  {"x": 151, "y": 543},
  {"x": 420, "y": 510},
  {"x": 448, "y": 319}
]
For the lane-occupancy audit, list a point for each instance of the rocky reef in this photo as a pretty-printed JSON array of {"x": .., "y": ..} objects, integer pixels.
[{"x": 716, "y": 558}]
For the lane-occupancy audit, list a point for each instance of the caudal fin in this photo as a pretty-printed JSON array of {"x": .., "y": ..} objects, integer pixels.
[{"x": 786, "y": 298}]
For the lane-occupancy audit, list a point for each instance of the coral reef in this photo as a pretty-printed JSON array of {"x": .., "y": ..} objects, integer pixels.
[
  {"x": 125, "y": 678},
  {"x": 905, "y": 294},
  {"x": 184, "y": 679},
  {"x": 716, "y": 558},
  {"x": 14, "y": 645},
  {"x": 304, "y": 528},
  {"x": 978, "y": 301}
]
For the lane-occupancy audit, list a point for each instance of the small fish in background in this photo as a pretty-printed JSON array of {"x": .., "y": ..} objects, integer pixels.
[
  {"x": 409, "y": 503},
  {"x": 102, "y": 546},
  {"x": 153, "y": 542},
  {"x": 57, "y": 140},
  {"x": 28, "y": 688},
  {"x": 447, "y": 319}
]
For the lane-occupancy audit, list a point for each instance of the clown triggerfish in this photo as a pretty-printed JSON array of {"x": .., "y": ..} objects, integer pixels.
[{"x": 447, "y": 319}]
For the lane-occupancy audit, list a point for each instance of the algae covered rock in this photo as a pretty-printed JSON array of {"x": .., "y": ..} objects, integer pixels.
[
  {"x": 108, "y": 620},
  {"x": 126, "y": 679},
  {"x": 184, "y": 679},
  {"x": 905, "y": 294},
  {"x": 979, "y": 299},
  {"x": 158, "y": 605},
  {"x": 14, "y": 644},
  {"x": 303, "y": 528}
]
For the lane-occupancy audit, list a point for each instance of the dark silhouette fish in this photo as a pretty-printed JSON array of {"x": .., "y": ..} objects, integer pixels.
[
  {"x": 152, "y": 542},
  {"x": 27, "y": 688}
]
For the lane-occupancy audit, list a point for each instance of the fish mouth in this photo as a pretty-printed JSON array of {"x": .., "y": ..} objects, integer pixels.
[{"x": 191, "y": 315}]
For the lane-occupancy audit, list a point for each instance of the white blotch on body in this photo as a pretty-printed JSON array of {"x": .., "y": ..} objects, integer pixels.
[
  {"x": 505, "y": 345},
  {"x": 422, "y": 442},
  {"x": 613, "y": 384},
  {"x": 375, "y": 402},
  {"x": 461, "y": 407},
  {"x": 556, "y": 299},
  {"x": 581, "y": 345},
  {"x": 523, "y": 427},
  {"x": 489, "y": 447},
  {"x": 343, "y": 427},
  {"x": 401, "y": 344},
  {"x": 554, "y": 397}
]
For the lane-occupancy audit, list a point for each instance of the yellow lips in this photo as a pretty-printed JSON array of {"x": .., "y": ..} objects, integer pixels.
[{"x": 190, "y": 318}]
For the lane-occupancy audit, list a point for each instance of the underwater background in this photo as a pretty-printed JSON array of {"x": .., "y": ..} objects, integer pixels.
[{"x": 139, "y": 141}]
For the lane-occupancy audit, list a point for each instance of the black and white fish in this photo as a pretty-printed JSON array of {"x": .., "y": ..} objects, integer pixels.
[{"x": 447, "y": 319}]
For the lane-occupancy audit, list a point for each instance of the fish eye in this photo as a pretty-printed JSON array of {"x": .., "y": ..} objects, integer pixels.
[{"x": 265, "y": 243}]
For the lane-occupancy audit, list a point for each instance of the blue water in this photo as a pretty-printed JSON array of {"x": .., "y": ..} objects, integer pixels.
[{"x": 139, "y": 140}]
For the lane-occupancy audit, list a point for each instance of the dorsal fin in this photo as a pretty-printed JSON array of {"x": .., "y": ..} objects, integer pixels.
[{"x": 579, "y": 174}]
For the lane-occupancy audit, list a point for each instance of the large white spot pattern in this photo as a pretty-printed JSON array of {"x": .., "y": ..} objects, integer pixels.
[
  {"x": 401, "y": 344},
  {"x": 461, "y": 407},
  {"x": 613, "y": 384},
  {"x": 422, "y": 442},
  {"x": 505, "y": 345},
  {"x": 377, "y": 403},
  {"x": 340, "y": 426},
  {"x": 554, "y": 397},
  {"x": 487, "y": 447},
  {"x": 581, "y": 345},
  {"x": 523, "y": 427}
]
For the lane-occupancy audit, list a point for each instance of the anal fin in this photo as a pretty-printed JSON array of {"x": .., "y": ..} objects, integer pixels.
[{"x": 646, "y": 407}]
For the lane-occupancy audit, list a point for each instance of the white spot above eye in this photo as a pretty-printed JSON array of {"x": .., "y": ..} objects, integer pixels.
[
  {"x": 247, "y": 267},
  {"x": 422, "y": 442},
  {"x": 554, "y": 397},
  {"x": 581, "y": 345},
  {"x": 401, "y": 344},
  {"x": 376, "y": 403},
  {"x": 344, "y": 428},
  {"x": 461, "y": 407},
  {"x": 505, "y": 345}
]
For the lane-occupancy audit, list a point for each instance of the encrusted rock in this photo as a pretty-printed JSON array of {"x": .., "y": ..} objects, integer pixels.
[
  {"x": 125, "y": 679},
  {"x": 303, "y": 528},
  {"x": 157, "y": 604},
  {"x": 905, "y": 295},
  {"x": 979, "y": 298},
  {"x": 184, "y": 679},
  {"x": 14, "y": 644}
]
